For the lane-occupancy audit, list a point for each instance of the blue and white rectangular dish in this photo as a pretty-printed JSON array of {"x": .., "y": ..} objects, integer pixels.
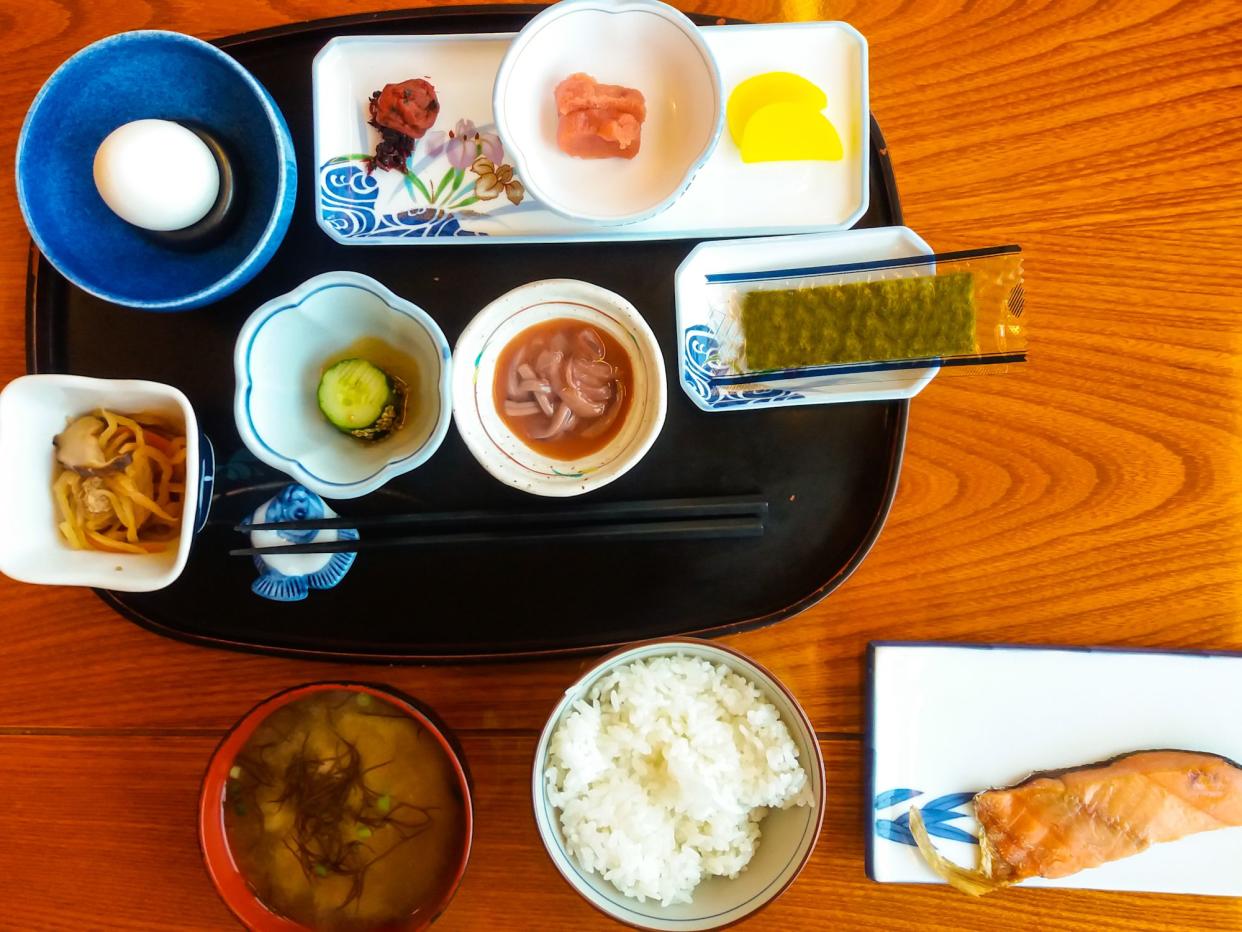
[
  {"x": 947, "y": 721},
  {"x": 700, "y": 327},
  {"x": 434, "y": 202}
]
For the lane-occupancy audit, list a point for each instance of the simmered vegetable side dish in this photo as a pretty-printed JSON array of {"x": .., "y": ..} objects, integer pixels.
[{"x": 120, "y": 482}]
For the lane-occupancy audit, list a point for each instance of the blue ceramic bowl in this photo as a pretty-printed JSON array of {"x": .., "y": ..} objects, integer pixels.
[{"x": 161, "y": 75}]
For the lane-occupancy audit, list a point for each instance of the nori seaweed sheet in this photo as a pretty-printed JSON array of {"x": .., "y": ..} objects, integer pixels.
[{"x": 900, "y": 318}]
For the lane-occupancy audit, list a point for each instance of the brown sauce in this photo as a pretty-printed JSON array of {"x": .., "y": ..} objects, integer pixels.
[{"x": 564, "y": 388}]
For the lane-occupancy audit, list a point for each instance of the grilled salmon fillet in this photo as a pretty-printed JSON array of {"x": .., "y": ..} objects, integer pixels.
[{"x": 1057, "y": 823}]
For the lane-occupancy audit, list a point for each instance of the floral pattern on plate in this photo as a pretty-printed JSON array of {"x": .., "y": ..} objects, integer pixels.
[{"x": 451, "y": 176}]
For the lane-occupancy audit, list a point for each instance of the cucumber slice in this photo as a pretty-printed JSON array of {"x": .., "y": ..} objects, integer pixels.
[{"x": 354, "y": 395}]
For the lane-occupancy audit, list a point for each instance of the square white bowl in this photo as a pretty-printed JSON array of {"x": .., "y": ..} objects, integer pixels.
[{"x": 33, "y": 410}]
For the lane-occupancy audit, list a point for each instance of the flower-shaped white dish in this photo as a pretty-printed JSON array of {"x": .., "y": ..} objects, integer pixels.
[
  {"x": 33, "y": 410},
  {"x": 642, "y": 44},
  {"x": 506, "y": 456},
  {"x": 787, "y": 839},
  {"x": 280, "y": 355}
]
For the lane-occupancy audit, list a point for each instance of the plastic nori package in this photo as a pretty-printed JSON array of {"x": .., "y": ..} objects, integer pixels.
[{"x": 960, "y": 311}]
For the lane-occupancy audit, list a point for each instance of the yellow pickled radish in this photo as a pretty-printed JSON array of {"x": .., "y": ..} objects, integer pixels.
[
  {"x": 789, "y": 132},
  {"x": 770, "y": 88}
]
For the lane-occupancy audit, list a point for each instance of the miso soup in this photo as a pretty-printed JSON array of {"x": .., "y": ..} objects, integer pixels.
[{"x": 342, "y": 812}]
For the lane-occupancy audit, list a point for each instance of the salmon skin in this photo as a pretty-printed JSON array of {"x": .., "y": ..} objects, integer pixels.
[{"x": 1058, "y": 822}]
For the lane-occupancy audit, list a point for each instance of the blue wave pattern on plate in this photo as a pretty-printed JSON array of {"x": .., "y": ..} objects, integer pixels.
[
  {"x": 701, "y": 352},
  {"x": 935, "y": 812},
  {"x": 347, "y": 198}
]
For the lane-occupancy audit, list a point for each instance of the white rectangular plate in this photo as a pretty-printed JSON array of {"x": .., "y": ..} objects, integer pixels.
[
  {"x": 726, "y": 198},
  {"x": 699, "y": 325},
  {"x": 948, "y": 721}
]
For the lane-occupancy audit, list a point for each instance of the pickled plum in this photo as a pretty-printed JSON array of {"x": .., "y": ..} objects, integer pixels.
[
  {"x": 410, "y": 107},
  {"x": 402, "y": 113}
]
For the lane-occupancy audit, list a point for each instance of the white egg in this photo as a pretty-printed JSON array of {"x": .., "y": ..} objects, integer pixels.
[{"x": 157, "y": 175}]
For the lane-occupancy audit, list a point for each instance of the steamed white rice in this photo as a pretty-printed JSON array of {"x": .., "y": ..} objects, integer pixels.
[{"x": 664, "y": 773}]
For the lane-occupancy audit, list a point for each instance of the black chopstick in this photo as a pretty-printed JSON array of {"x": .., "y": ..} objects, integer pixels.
[
  {"x": 695, "y": 529},
  {"x": 598, "y": 512}
]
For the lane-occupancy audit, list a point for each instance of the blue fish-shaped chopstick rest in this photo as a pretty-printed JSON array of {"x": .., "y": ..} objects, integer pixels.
[{"x": 287, "y": 577}]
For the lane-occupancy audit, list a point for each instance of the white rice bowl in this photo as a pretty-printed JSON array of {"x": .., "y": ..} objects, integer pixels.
[{"x": 663, "y": 774}]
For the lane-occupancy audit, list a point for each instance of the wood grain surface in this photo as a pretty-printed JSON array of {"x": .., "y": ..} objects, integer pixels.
[{"x": 1094, "y": 497}]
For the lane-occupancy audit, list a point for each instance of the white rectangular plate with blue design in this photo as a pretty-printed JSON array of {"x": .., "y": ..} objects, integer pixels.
[
  {"x": 948, "y": 721},
  {"x": 436, "y": 200},
  {"x": 700, "y": 326}
]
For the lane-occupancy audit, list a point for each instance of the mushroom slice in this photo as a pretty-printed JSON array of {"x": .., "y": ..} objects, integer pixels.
[{"x": 78, "y": 448}]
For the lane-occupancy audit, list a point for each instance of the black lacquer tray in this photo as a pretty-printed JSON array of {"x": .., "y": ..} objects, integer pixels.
[{"x": 829, "y": 472}]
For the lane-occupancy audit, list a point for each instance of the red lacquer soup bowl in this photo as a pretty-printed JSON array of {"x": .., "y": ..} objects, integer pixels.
[{"x": 229, "y": 881}]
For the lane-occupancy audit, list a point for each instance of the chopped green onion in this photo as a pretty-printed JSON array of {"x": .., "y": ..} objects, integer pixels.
[
  {"x": 364, "y": 832},
  {"x": 384, "y": 803},
  {"x": 364, "y": 699},
  {"x": 235, "y": 772},
  {"x": 321, "y": 871}
]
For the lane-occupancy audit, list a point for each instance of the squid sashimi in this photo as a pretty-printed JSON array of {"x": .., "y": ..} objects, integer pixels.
[
  {"x": 598, "y": 120},
  {"x": 563, "y": 387},
  {"x": 1059, "y": 822}
]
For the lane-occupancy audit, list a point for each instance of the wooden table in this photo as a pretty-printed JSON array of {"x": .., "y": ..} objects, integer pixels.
[{"x": 1094, "y": 497}]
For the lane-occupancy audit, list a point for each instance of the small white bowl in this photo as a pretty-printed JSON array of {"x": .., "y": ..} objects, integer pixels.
[
  {"x": 788, "y": 835},
  {"x": 643, "y": 44},
  {"x": 33, "y": 410},
  {"x": 497, "y": 448},
  {"x": 279, "y": 358}
]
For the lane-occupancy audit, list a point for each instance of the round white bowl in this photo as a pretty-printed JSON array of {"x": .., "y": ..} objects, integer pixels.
[
  {"x": 279, "y": 358},
  {"x": 643, "y": 44},
  {"x": 788, "y": 835},
  {"x": 497, "y": 448},
  {"x": 33, "y": 410}
]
